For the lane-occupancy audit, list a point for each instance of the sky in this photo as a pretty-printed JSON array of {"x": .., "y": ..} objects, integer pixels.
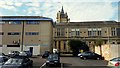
[{"x": 77, "y": 10}]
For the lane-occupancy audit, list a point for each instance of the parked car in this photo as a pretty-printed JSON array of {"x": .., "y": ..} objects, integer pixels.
[
  {"x": 13, "y": 53},
  {"x": 90, "y": 55},
  {"x": 18, "y": 62},
  {"x": 3, "y": 59},
  {"x": 83, "y": 53},
  {"x": 46, "y": 54},
  {"x": 53, "y": 59},
  {"x": 114, "y": 63},
  {"x": 26, "y": 53}
]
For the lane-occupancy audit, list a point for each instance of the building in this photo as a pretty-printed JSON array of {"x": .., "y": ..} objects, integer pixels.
[
  {"x": 26, "y": 33},
  {"x": 89, "y": 31},
  {"x": 39, "y": 34}
]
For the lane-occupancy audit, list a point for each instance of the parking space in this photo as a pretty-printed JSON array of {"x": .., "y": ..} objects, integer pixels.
[{"x": 70, "y": 62}]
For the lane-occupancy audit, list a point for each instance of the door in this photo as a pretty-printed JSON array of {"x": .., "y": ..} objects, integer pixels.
[{"x": 31, "y": 50}]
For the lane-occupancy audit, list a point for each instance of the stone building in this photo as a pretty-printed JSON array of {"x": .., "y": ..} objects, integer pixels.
[{"x": 88, "y": 31}]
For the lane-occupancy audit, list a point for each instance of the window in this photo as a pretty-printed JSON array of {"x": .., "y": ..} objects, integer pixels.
[
  {"x": 89, "y": 33},
  {"x": 65, "y": 44},
  {"x": 118, "y": 31},
  {"x": 75, "y": 32},
  {"x": 60, "y": 32},
  {"x": 99, "y": 33},
  {"x": 14, "y": 33},
  {"x": 14, "y": 22},
  {"x": 32, "y": 22},
  {"x": 2, "y": 22},
  {"x": 13, "y": 45},
  {"x": 1, "y": 33},
  {"x": 94, "y": 32},
  {"x": 32, "y": 33},
  {"x": 113, "y": 31}
]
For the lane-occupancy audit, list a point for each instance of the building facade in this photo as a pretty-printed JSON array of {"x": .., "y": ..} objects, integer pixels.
[
  {"x": 39, "y": 34},
  {"x": 89, "y": 32},
  {"x": 26, "y": 33}
]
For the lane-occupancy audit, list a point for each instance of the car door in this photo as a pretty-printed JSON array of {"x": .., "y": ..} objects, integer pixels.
[
  {"x": 90, "y": 55},
  {"x": 87, "y": 55},
  {"x": 26, "y": 63}
]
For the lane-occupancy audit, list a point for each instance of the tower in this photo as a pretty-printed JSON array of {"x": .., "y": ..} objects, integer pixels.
[{"x": 62, "y": 17}]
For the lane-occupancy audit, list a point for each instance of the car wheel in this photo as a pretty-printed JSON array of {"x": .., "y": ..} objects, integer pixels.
[
  {"x": 98, "y": 58},
  {"x": 47, "y": 65},
  {"x": 84, "y": 58}
]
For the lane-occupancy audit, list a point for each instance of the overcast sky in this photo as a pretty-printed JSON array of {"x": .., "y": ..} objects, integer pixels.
[{"x": 77, "y": 10}]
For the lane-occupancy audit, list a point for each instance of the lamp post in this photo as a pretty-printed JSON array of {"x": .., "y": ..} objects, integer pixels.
[{"x": 22, "y": 36}]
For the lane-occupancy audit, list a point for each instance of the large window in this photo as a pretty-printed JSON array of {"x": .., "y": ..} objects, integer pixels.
[
  {"x": 32, "y": 22},
  {"x": 113, "y": 31},
  {"x": 118, "y": 31},
  {"x": 94, "y": 32},
  {"x": 2, "y": 22},
  {"x": 13, "y": 33},
  {"x": 14, "y": 22},
  {"x": 75, "y": 32},
  {"x": 60, "y": 32},
  {"x": 32, "y": 33}
]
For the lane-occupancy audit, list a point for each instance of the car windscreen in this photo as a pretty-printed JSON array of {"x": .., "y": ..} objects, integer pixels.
[
  {"x": 14, "y": 61},
  {"x": 53, "y": 57},
  {"x": 116, "y": 59}
]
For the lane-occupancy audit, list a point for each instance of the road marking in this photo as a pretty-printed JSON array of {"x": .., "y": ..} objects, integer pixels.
[
  {"x": 61, "y": 65},
  {"x": 43, "y": 65}
]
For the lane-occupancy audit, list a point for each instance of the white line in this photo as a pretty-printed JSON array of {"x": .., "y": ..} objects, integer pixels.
[
  {"x": 61, "y": 65},
  {"x": 43, "y": 65}
]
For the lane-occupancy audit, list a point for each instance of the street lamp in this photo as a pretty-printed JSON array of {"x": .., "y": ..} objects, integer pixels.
[{"x": 22, "y": 36}]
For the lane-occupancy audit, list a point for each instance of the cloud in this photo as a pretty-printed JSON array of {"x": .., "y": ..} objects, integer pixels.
[
  {"x": 7, "y": 5},
  {"x": 79, "y": 10},
  {"x": 18, "y": 4},
  {"x": 33, "y": 4},
  {"x": 83, "y": 11}
]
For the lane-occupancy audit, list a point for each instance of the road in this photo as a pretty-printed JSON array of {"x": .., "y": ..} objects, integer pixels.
[{"x": 71, "y": 62}]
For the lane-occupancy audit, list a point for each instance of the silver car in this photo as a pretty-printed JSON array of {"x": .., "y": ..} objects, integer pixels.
[{"x": 114, "y": 63}]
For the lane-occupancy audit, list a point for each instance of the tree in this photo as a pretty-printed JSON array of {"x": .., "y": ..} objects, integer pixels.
[
  {"x": 99, "y": 43},
  {"x": 76, "y": 45}
]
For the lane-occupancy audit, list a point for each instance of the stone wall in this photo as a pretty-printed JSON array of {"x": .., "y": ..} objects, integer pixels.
[{"x": 109, "y": 51}]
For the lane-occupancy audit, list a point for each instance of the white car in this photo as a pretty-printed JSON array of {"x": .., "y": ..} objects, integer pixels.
[
  {"x": 79, "y": 54},
  {"x": 22, "y": 54},
  {"x": 114, "y": 63}
]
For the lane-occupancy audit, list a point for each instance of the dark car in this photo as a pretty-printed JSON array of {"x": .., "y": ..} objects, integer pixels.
[
  {"x": 18, "y": 62},
  {"x": 90, "y": 55},
  {"x": 46, "y": 54},
  {"x": 53, "y": 59},
  {"x": 3, "y": 59},
  {"x": 13, "y": 53}
]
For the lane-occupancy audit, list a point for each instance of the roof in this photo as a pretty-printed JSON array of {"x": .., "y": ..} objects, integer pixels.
[
  {"x": 95, "y": 22},
  {"x": 88, "y": 23},
  {"x": 24, "y": 18}
]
